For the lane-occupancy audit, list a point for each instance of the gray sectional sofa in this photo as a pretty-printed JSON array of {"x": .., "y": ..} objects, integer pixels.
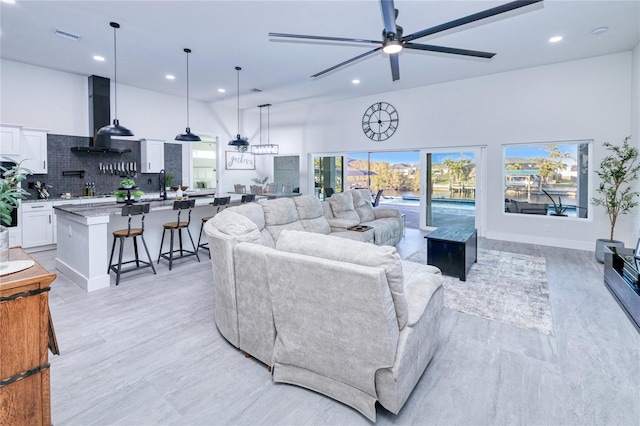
[
  {"x": 352, "y": 208},
  {"x": 340, "y": 316}
]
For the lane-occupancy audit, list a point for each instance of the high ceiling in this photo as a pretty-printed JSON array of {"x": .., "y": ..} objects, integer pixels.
[{"x": 225, "y": 34}]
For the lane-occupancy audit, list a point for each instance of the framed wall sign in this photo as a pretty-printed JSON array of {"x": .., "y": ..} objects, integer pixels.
[{"x": 239, "y": 160}]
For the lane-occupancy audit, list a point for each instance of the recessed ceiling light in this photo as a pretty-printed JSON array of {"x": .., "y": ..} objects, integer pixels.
[
  {"x": 555, "y": 39},
  {"x": 98, "y": 58},
  {"x": 355, "y": 81},
  {"x": 599, "y": 30},
  {"x": 9, "y": 1},
  {"x": 221, "y": 90},
  {"x": 170, "y": 77}
]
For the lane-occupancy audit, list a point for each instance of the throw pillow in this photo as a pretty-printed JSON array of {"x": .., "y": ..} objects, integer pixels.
[{"x": 342, "y": 206}]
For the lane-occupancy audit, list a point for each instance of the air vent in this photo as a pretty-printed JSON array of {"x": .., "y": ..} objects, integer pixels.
[
  {"x": 67, "y": 35},
  {"x": 254, "y": 90}
]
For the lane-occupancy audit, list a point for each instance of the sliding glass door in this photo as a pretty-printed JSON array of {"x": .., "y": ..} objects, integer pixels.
[
  {"x": 327, "y": 175},
  {"x": 450, "y": 187}
]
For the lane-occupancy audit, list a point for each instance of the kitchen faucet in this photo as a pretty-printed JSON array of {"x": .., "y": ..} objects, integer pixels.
[{"x": 163, "y": 189}]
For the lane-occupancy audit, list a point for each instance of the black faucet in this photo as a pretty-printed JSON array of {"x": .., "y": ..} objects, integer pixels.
[{"x": 163, "y": 189}]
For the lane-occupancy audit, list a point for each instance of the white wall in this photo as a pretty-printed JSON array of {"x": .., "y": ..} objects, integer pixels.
[
  {"x": 596, "y": 98},
  {"x": 586, "y": 99},
  {"x": 635, "y": 126}
]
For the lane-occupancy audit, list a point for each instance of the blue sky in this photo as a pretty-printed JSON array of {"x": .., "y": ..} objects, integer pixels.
[
  {"x": 408, "y": 157},
  {"x": 537, "y": 151}
]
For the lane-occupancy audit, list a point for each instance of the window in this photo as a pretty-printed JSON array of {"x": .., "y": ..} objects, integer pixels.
[{"x": 547, "y": 178}]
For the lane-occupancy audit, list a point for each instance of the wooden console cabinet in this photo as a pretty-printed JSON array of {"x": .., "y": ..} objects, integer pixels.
[{"x": 24, "y": 342}]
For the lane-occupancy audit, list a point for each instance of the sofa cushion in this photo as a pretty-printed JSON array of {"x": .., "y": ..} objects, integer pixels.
[
  {"x": 253, "y": 211},
  {"x": 346, "y": 250},
  {"x": 342, "y": 206},
  {"x": 362, "y": 204},
  {"x": 311, "y": 214},
  {"x": 280, "y": 214},
  {"x": 236, "y": 225},
  {"x": 385, "y": 229}
]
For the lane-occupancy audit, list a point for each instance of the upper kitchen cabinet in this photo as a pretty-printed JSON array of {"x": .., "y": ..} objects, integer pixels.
[
  {"x": 152, "y": 155},
  {"x": 25, "y": 144},
  {"x": 10, "y": 140},
  {"x": 34, "y": 150}
]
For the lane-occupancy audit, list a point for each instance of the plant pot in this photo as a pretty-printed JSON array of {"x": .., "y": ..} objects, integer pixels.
[{"x": 601, "y": 243}]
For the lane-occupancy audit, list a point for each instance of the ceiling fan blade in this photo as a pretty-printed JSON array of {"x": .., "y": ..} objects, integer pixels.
[
  {"x": 364, "y": 55},
  {"x": 388, "y": 16},
  {"x": 452, "y": 50},
  {"x": 471, "y": 18},
  {"x": 395, "y": 66},
  {"x": 322, "y": 38}
]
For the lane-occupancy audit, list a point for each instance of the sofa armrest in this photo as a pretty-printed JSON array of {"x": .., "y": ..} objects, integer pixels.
[
  {"x": 338, "y": 225},
  {"x": 386, "y": 212}
]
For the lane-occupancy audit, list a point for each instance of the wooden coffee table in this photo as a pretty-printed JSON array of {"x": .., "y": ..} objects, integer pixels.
[{"x": 453, "y": 249}]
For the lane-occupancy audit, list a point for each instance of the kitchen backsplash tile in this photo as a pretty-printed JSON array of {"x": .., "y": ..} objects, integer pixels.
[{"x": 60, "y": 159}]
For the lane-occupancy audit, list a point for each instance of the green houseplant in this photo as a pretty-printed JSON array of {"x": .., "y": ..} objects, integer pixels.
[
  {"x": 120, "y": 195},
  {"x": 558, "y": 209},
  {"x": 10, "y": 195},
  {"x": 127, "y": 183},
  {"x": 617, "y": 172},
  {"x": 137, "y": 194}
]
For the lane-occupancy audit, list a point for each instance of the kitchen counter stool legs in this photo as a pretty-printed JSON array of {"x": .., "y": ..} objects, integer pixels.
[
  {"x": 123, "y": 234},
  {"x": 221, "y": 202},
  {"x": 178, "y": 226}
]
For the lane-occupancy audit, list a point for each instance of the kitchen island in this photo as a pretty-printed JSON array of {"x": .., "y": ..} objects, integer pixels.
[{"x": 84, "y": 236}]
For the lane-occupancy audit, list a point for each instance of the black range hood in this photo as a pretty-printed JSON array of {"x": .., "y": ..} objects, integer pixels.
[{"x": 99, "y": 116}]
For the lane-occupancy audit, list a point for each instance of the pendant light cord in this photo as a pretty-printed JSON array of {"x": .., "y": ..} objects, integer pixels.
[
  {"x": 115, "y": 72},
  {"x": 260, "y": 124},
  {"x": 268, "y": 125},
  {"x": 187, "y": 50},
  {"x": 238, "y": 79}
]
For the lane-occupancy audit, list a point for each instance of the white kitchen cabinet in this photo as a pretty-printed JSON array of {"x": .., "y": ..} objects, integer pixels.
[
  {"x": 152, "y": 155},
  {"x": 34, "y": 150},
  {"x": 37, "y": 224},
  {"x": 10, "y": 140}
]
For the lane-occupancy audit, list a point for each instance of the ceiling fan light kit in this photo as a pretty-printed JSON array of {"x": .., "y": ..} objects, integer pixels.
[
  {"x": 268, "y": 148},
  {"x": 240, "y": 143},
  {"x": 115, "y": 129},
  {"x": 187, "y": 136},
  {"x": 393, "y": 40}
]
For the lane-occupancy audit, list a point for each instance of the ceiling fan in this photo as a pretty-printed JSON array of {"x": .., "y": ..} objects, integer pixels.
[{"x": 393, "y": 40}]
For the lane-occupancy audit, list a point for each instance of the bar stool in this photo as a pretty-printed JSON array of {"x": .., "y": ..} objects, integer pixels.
[
  {"x": 178, "y": 226},
  {"x": 220, "y": 202},
  {"x": 248, "y": 198},
  {"x": 123, "y": 234}
]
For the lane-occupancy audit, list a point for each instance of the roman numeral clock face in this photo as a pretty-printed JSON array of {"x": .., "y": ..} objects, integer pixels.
[{"x": 380, "y": 121}]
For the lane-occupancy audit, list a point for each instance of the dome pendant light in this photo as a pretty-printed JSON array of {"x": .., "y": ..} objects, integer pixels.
[
  {"x": 267, "y": 148},
  {"x": 187, "y": 136},
  {"x": 115, "y": 129},
  {"x": 241, "y": 144}
]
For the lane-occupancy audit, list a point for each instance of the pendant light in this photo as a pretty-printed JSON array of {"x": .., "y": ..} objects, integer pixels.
[
  {"x": 267, "y": 148},
  {"x": 115, "y": 129},
  {"x": 241, "y": 144},
  {"x": 187, "y": 136}
]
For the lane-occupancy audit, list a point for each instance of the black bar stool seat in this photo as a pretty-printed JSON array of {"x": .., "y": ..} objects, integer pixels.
[
  {"x": 178, "y": 226},
  {"x": 221, "y": 203},
  {"x": 122, "y": 235}
]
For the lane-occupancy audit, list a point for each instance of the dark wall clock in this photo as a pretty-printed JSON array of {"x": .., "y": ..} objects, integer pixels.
[{"x": 380, "y": 121}]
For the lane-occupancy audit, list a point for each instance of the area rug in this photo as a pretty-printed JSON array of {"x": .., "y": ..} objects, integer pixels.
[{"x": 506, "y": 287}]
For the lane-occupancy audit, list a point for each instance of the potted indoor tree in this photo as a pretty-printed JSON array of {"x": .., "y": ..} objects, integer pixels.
[
  {"x": 10, "y": 195},
  {"x": 617, "y": 172}
]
